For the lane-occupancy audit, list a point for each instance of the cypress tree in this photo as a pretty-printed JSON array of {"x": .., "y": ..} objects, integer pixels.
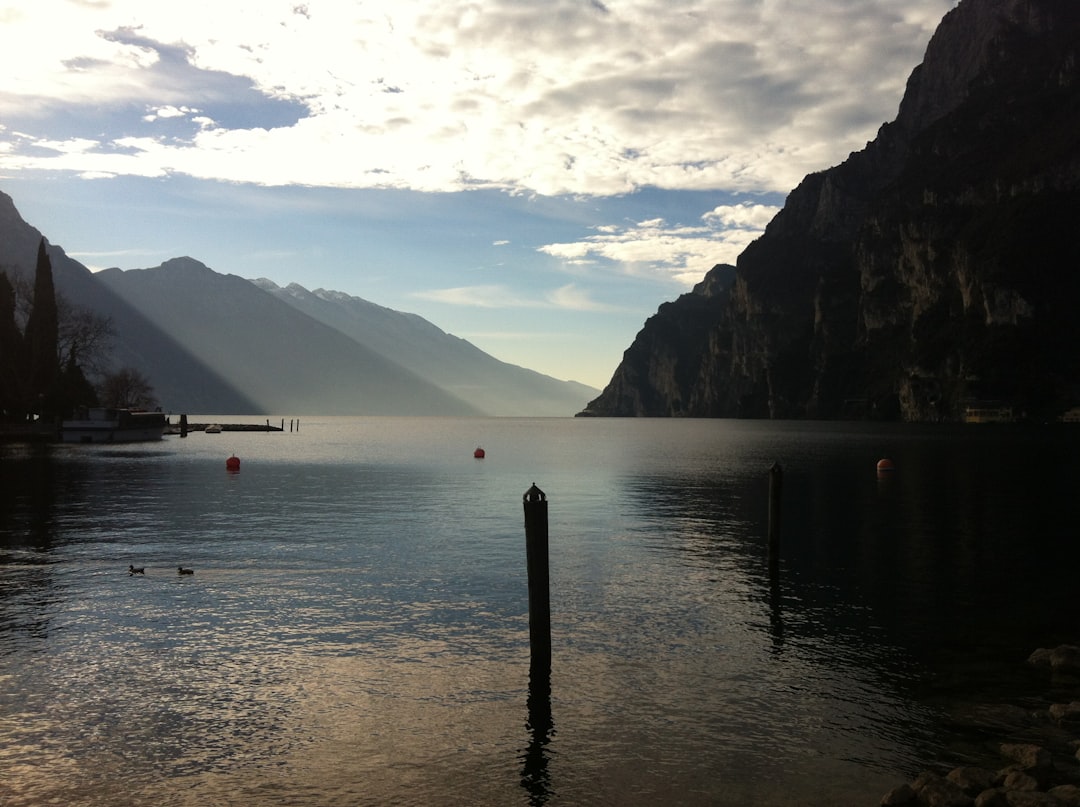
[{"x": 42, "y": 337}]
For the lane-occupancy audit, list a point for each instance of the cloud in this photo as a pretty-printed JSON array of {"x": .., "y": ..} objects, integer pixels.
[
  {"x": 681, "y": 252},
  {"x": 568, "y": 297},
  {"x": 100, "y": 260},
  {"x": 554, "y": 98},
  {"x": 169, "y": 111}
]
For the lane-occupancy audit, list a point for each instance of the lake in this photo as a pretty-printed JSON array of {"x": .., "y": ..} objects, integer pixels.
[{"x": 356, "y": 628}]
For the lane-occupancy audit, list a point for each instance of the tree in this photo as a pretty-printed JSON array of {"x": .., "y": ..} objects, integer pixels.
[
  {"x": 41, "y": 339},
  {"x": 76, "y": 338},
  {"x": 74, "y": 390},
  {"x": 127, "y": 388},
  {"x": 83, "y": 337},
  {"x": 12, "y": 393}
]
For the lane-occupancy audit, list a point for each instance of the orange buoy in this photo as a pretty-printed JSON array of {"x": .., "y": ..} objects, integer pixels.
[
  {"x": 885, "y": 466},
  {"x": 479, "y": 453},
  {"x": 232, "y": 463}
]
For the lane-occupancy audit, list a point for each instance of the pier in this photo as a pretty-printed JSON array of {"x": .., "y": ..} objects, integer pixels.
[{"x": 181, "y": 427}]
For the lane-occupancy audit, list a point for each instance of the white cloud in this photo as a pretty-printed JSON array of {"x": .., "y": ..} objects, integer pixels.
[
  {"x": 568, "y": 297},
  {"x": 169, "y": 111},
  {"x": 682, "y": 252},
  {"x": 480, "y": 296},
  {"x": 557, "y": 97},
  {"x": 573, "y": 298}
]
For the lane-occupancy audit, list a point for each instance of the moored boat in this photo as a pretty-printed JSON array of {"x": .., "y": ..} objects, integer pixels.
[{"x": 103, "y": 425}]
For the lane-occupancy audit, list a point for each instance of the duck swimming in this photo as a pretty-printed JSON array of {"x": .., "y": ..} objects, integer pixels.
[
  {"x": 182, "y": 570},
  {"x": 133, "y": 570}
]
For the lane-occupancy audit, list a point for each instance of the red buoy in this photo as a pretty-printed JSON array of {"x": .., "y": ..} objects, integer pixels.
[
  {"x": 885, "y": 466},
  {"x": 479, "y": 453},
  {"x": 232, "y": 463}
]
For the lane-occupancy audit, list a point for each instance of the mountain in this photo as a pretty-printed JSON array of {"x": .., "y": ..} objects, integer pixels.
[
  {"x": 282, "y": 359},
  {"x": 215, "y": 343},
  {"x": 182, "y": 380},
  {"x": 449, "y": 362},
  {"x": 936, "y": 267}
]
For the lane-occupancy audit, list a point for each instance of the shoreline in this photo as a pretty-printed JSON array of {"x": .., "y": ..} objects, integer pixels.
[{"x": 1031, "y": 774}]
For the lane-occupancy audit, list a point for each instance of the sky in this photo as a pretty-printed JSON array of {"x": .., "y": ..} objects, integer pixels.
[{"x": 535, "y": 177}]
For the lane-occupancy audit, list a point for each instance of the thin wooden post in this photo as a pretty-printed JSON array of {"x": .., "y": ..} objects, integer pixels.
[
  {"x": 183, "y": 425},
  {"x": 776, "y": 491},
  {"x": 536, "y": 557}
]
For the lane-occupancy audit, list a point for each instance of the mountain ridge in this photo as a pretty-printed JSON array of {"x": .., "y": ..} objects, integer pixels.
[
  {"x": 930, "y": 270},
  {"x": 217, "y": 343},
  {"x": 452, "y": 363}
]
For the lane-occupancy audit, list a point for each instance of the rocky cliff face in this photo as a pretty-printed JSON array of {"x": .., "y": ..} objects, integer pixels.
[{"x": 938, "y": 265}]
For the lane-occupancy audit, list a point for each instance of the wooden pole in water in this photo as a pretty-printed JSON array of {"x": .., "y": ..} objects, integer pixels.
[
  {"x": 536, "y": 557},
  {"x": 776, "y": 490},
  {"x": 183, "y": 425}
]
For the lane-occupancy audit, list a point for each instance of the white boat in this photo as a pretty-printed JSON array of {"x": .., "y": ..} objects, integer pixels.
[
  {"x": 101, "y": 425},
  {"x": 213, "y": 428}
]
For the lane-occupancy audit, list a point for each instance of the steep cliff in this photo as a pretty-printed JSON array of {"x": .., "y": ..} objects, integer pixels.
[{"x": 938, "y": 265}]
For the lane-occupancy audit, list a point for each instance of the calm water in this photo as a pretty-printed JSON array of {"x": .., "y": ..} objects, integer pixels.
[{"x": 356, "y": 630}]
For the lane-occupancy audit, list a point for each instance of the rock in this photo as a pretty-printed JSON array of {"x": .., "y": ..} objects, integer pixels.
[
  {"x": 901, "y": 794},
  {"x": 994, "y": 797},
  {"x": 937, "y": 791},
  {"x": 1041, "y": 657},
  {"x": 1066, "y": 712},
  {"x": 1062, "y": 659},
  {"x": 1028, "y": 755},
  {"x": 1068, "y": 795},
  {"x": 971, "y": 780},
  {"x": 1066, "y": 659},
  {"x": 1018, "y": 780}
]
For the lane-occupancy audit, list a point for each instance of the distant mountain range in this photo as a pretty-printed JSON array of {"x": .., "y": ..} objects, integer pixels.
[
  {"x": 929, "y": 276},
  {"x": 216, "y": 343}
]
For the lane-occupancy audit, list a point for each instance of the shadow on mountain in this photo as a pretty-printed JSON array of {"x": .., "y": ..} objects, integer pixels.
[{"x": 182, "y": 381}]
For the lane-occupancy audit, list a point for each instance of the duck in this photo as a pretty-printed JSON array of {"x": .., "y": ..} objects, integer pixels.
[
  {"x": 182, "y": 570},
  {"x": 133, "y": 570}
]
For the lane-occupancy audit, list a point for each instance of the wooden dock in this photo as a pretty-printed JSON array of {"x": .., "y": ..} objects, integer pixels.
[
  {"x": 182, "y": 426},
  {"x": 233, "y": 427},
  {"x": 174, "y": 428}
]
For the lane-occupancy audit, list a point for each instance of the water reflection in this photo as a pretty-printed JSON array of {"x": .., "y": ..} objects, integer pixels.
[
  {"x": 776, "y": 611},
  {"x": 535, "y": 776},
  {"x": 354, "y": 628},
  {"x": 31, "y": 482}
]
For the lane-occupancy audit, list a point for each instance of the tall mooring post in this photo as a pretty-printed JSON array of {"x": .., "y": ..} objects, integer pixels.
[
  {"x": 183, "y": 425},
  {"x": 535, "y": 776},
  {"x": 776, "y": 495},
  {"x": 536, "y": 556}
]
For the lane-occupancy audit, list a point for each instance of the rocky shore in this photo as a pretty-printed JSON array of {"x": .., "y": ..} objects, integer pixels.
[{"x": 1030, "y": 774}]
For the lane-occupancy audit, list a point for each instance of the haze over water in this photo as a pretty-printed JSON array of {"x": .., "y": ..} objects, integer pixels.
[{"x": 356, "y": 630}]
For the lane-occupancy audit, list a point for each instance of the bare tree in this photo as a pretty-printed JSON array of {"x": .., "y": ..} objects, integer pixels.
[
  {"x": 127, "y": 388},
  {"x": 84, "y": 337}
]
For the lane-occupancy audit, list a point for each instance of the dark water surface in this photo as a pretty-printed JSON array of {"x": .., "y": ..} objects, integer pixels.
[{"x": 356, "y": 630}]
